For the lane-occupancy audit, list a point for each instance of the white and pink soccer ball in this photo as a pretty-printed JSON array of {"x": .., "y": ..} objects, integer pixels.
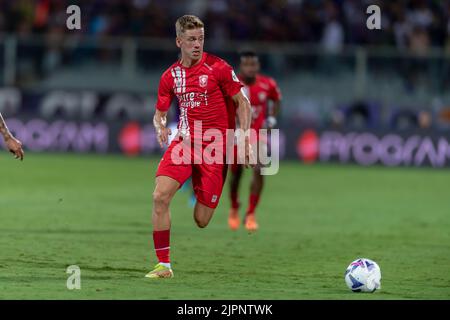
[{"x": 363, "y": 275}]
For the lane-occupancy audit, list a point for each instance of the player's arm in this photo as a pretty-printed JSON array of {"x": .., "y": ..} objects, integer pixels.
[
  {"x": 244, "y": 111},
  {"x": 13, "y": 145},
  {"x": 165, "y": 96},
  {"x": 272, "y": 114},
  {"x": 274, "y": 109}
]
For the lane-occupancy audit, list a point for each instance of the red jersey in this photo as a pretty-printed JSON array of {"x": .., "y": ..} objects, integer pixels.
[
  {"x": 203, "y": 92},
  {"x": 259, "y": 92}
]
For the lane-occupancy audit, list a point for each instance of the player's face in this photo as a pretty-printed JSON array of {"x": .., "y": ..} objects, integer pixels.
[
  {"x": 191, "y": 43},
  {"x": 249, "y": 67}
]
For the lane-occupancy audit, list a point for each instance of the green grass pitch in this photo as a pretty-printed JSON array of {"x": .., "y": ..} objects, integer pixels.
[{"x": 58, "y": 210}]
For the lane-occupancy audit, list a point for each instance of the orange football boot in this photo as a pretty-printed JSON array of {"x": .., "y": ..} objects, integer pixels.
[
  {"x": 233, "y": 219},
  {"x": 250, "y": 223}
]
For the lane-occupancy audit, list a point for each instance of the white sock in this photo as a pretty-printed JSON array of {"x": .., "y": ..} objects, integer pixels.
[{"x": 166, "y": 264}]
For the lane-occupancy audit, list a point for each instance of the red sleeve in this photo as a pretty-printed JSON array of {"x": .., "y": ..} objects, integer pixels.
[
  {"x": 165, "y": 93},
  {"x": 228, "y": 81},
  {"x": 274, "y": 90}
]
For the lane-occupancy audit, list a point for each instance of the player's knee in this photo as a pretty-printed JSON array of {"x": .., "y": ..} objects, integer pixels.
[
  {"x": 201, "y": 223},
  {"x": 202, "y": 218},
  {"x": 161, "y": 199}
]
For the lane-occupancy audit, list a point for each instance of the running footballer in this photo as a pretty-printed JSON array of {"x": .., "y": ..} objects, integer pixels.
[
  {"x": 265, "y": 99},
  {"x": 210, "y": 96}
]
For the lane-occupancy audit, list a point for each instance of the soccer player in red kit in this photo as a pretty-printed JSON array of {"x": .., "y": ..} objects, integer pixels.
[
  {"x": 260, "y": 90},
  {"x": 204, "y": 85}
]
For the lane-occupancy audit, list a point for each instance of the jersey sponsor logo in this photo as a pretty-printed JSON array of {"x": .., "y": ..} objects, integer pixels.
[
  {"x": 192, "y": 99},
  {"x": 203, "y": 80}
]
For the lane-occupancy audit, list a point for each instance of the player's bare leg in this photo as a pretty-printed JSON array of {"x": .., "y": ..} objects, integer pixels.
[
  {"x": 233, "y": 218},
  {"x": 256, "y": 188},
  {"x": 202, "y": 214},
  {"x": 165, "y": 189}
]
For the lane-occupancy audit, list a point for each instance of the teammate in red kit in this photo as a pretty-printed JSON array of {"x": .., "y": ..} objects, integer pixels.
[
  {"x": 260, "y": 89},
  {"x": 203, "y": 85}
]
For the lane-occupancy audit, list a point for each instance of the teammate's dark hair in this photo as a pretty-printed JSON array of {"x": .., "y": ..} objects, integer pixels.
[{"x": 248, "y": 54}]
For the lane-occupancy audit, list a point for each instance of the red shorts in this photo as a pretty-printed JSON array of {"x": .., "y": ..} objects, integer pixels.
[{"x": 207, "y": 179}]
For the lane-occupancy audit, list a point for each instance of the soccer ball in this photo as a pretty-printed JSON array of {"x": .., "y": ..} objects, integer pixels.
[{"x": 363, "y": 275}]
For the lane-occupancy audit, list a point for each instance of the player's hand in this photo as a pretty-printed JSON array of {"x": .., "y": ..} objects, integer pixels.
[
  {"x": 163, "y": 136},
  {"x": 250, "y": 160},
  {"x": 162, "y": 133},
  {"x": 15, "y": 147}
]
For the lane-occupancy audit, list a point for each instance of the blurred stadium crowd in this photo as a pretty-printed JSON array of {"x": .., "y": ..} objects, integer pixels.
[{"x": 416, "y": 23}]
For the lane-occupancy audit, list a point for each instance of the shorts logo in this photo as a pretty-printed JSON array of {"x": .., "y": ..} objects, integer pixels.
[
  {"x": 203, "y": 80},
  {"x": 214, "y": 198}
]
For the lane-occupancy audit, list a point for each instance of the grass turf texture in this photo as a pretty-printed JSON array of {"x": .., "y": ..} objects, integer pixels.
[{"x": 94, "y": 211}]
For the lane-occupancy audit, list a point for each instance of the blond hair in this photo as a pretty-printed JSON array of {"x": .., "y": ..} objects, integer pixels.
[{"x": 187, "y": 22}]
